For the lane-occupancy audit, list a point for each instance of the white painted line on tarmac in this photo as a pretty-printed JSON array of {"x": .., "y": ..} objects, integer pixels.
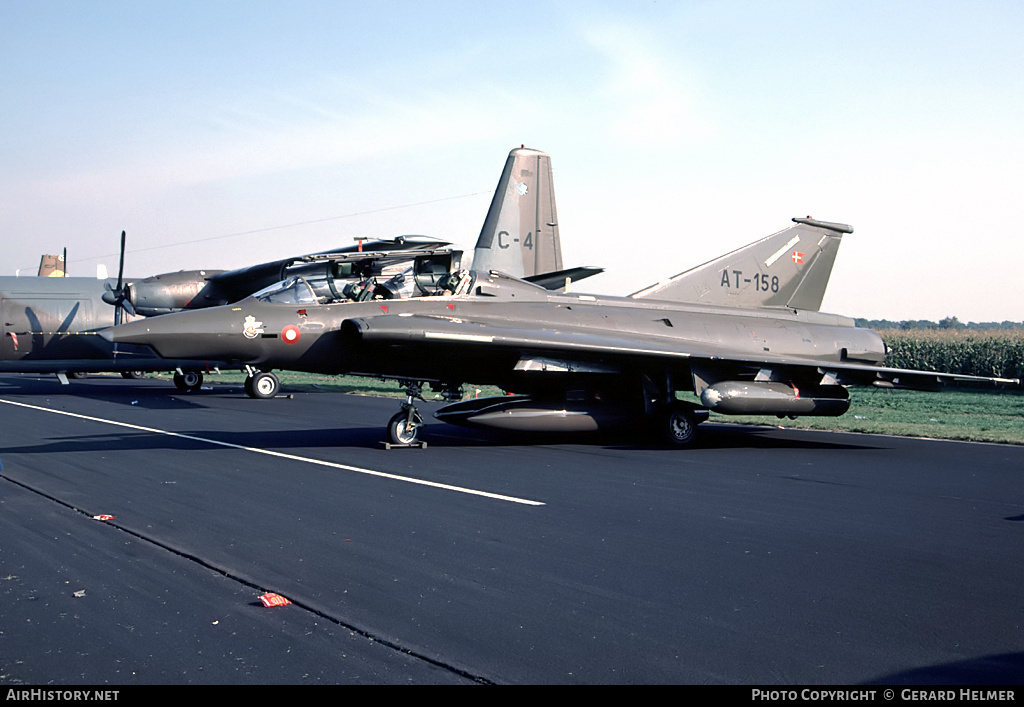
[{"x": 282, "y": 455}]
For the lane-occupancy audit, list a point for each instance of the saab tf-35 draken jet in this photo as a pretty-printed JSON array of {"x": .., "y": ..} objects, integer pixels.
[{"x": 743, "y": 332}]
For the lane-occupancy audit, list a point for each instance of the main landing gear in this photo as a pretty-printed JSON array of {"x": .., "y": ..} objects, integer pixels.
[
  {"x": 679, "y": 423},
  {"x": 261, "y": 384},
  {"x": 188, "y": 381},
  {"x": 673, "y": 421}
]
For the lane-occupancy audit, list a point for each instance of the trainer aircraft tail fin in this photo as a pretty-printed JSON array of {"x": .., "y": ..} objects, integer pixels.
[
  {"x": 52, "y": 266},
  {"x": 520, "y": 234}
]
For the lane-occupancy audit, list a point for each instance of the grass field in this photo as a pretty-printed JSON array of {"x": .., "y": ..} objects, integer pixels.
[
  {"x": 998, "y": 353},
  {"x": 988, "y": 415}
]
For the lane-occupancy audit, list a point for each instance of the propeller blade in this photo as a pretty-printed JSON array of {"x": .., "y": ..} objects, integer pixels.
[
  {"x": 120, "y": 266},
  {"x": 118, "y": 296}
]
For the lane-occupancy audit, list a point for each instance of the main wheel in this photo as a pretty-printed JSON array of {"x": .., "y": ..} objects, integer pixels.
[
  {"x": 133, "y": 375},
  {"x": 262, "y": 385},
  {"x": 680, "y": 426},
  {"x": 400, "y": 431},
  {"x": 188, "y": 381}
]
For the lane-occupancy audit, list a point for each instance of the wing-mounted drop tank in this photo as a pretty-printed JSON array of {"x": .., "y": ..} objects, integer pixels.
[
  {"x": 522, "y": 413},
  {"x": 770, "y": 398}
]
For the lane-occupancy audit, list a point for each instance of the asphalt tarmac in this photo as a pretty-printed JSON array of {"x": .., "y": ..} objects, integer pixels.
[{"x": 763, "y": 556}]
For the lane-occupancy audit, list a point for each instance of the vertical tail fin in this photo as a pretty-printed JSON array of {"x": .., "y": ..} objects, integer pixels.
[
  {"x": 520, "y": 234},
  {"x": 790, "y": 268},
  {"x": 52, "y": 266}
]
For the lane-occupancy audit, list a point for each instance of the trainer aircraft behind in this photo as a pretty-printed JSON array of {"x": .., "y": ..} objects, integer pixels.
[
  {"x": 49, "y": 324},
  {"x": 742, "y": 332},
  {"x": 519, "y": 237}
]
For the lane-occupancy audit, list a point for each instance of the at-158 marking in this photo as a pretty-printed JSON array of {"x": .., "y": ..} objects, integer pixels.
[{"x": 762, "y": 282}]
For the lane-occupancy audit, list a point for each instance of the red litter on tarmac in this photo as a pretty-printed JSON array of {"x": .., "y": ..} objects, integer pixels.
[{"x": 271, "y": 599}]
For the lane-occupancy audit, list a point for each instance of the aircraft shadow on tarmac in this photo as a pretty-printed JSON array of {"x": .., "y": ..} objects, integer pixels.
[
  {"x": 159, "y": 394},
  {"x": 1002, "y": 669},
  {"x": 193, "y": 439},
  {"x": 148, "y": 393},
  {"x": 713, "y": 436},
  {"x": 435, "y": 435}
]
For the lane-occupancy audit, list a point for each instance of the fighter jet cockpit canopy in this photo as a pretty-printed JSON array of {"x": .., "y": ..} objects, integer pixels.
[{"x": 294, "y": 290}]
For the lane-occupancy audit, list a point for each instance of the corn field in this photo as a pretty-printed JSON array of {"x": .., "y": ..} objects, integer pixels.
[{"x": 998, "y": 353}]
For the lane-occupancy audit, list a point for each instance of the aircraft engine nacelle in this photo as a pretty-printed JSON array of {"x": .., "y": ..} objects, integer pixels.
[
  {"x": 763, "y": 398},
  {"x": 170, "y": 292}
]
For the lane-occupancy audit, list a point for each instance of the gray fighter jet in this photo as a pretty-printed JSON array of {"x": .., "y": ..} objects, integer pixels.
[{"x": 742, "y": 332}]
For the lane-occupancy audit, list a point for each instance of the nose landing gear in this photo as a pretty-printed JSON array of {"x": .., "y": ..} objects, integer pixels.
[{"x": 404, "y": 427}]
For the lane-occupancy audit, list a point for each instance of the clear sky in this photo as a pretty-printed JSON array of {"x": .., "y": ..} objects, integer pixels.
[{"x": 219, "y": 134}]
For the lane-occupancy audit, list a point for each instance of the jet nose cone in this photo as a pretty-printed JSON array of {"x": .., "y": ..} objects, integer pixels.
[
  {"x": 137, "y": 332},
  {"x": 217, "y": 333}
]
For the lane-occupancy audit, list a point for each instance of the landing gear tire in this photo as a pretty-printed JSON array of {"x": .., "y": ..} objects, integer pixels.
[
  {"x": 401, "y": 431},
  {"x": 133, "y": 375},
  {"x": 680, "y": 426},
  {"x": 189, "y": 381},
  {"x": 262, "y": 385}
]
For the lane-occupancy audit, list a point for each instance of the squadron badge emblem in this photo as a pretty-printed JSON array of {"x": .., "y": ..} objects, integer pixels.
[{"x": 252, "y": 328}]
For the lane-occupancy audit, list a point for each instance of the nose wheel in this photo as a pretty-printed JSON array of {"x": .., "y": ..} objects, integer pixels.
[{"x": 404, "y": 426}]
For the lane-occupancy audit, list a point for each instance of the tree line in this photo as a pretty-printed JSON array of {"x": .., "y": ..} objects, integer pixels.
[{"x": 948, "y": 323}]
